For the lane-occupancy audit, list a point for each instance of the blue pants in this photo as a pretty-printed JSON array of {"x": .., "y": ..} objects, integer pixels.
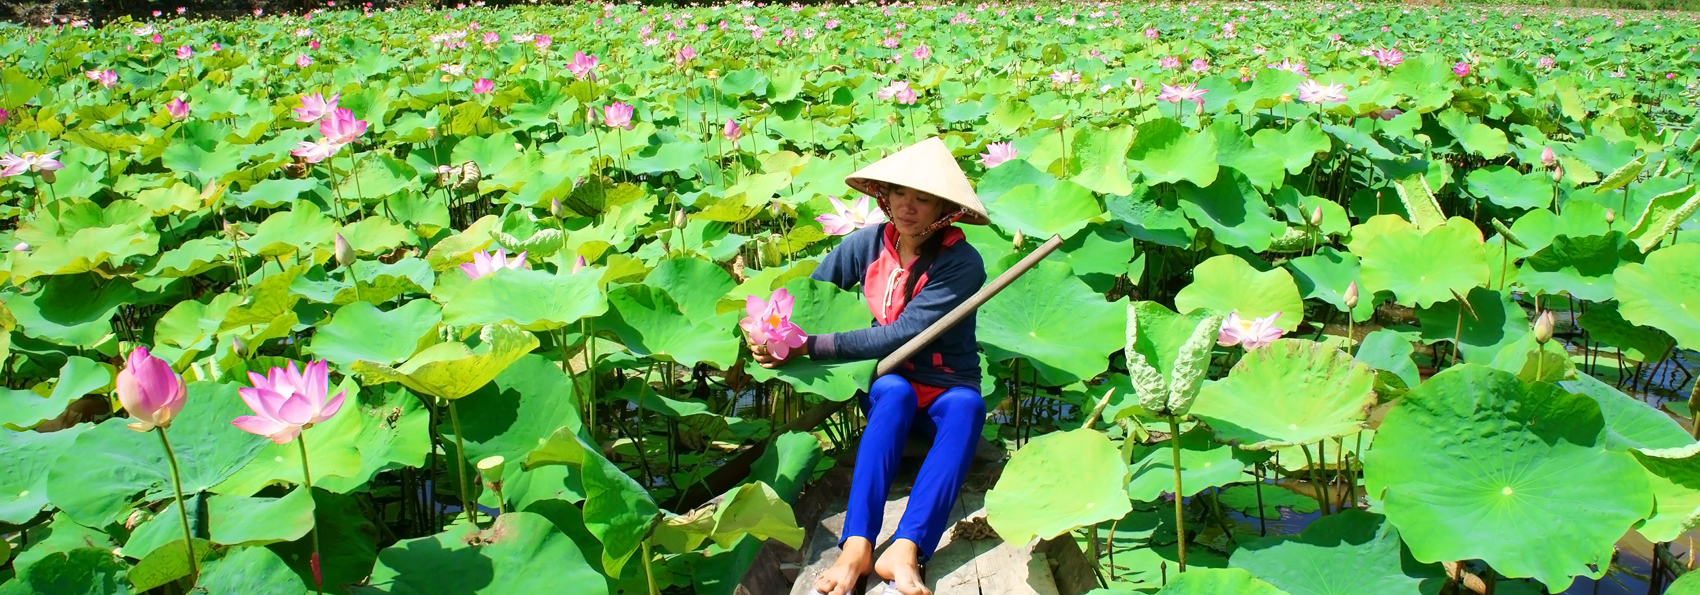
[{"x": 953, "y": 421}]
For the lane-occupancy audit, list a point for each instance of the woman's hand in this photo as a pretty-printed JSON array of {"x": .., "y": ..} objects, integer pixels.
[{"x": 768, "y": 359}]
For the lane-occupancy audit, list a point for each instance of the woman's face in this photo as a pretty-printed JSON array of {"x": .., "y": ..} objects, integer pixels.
[{"x": 913, "y": 210}]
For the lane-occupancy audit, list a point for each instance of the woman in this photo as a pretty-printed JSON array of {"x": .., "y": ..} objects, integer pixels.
[{"x": 913, "y": 270}]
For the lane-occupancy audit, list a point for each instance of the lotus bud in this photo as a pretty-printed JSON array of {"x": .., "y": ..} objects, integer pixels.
[
  {"x": 445, "y": 175},
  {"x": 344, "y": 252},
  {"x": 1020, "y": 240},
  {"x": 1543, "y": 327},
  {"x": 1316, "y": 217},
  {"x": 136, "y": 518},
  {"x": 578, "y": 264},
  {"x": 1198, "y": 111},
  {"x": 1557, "y": 174},
  {"x": 556, "y": 209},
  {"x": 1548, "y": 159},
  {"x": 1352, "y": 296},
  {"x": 679, "y": 219},
  {"x": 1610, "y": 217},
  {"x": 1286, "y": 98},
  {"x": 445, "y": 78},
  {"x": 48, "y": 176},
  {"x": 238, "y": 347},
  {"x": 431, "y": 132},
  {"x": 519, "y": 147},
  {"x": 21, "y": 247}
]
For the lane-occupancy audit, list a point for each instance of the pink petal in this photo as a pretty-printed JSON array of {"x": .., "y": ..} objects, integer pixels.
[
  {"x": 755, "y": 306},
  {"x": 296, "y": 410},
  {"x": 471, "y": 270},
  {"x": 519, "y": 261},
  {"x": 263, "y": 402},
  {"x": 130, "y": 395},
  {"x": 257, "y": 425},
  {"x": 317, "y": 377},
  {"x": 330, "y": 408},
  {"x": 283, "y": 436},
  {"x": 835, "y": 225},
  {"x": 838, "y": 206},
  {"x": 782, "y": 303}
]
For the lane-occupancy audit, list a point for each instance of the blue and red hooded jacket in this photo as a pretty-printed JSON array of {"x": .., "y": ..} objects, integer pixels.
[{"x": 868, "y": 256}]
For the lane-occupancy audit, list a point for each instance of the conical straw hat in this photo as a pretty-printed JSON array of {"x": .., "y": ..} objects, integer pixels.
[{"x": 929, "y": 167}]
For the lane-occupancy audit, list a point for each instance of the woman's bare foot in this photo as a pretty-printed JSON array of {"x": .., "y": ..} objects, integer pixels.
[
  {"x": 855, "y": 561},
  {"x": 901, "y": 565}
]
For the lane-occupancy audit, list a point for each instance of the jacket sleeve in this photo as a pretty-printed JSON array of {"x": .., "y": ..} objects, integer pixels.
[
  {"x": 949, "y": 283},
  {"x": 844, "y": 264}
]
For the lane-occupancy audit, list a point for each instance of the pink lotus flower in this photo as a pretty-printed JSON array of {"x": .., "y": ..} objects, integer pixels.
[
  {"x": 1169, "y": 63},
  {"x": 1177, "y": 94},
  {"x": 1461, "y": 69},
  {"x": 1064, "y": 77},
  {"x": 683, "y": 55},
  {"x": 341, "y": 127},
  {"x": 1389, "y": 113},
  {"x": 313, "y": 45},
  {"x": 288, "y": 401},
  {"x": 106, "y": 78},
  {"x": 1312, "y": 92},
  {"x": 1248, "y": 334},
  {"x": 582, "y": 64},
  {"x": 542, "y": 42},
  {"x": 1389, "y": 57},
  {"x": 1548, "y": 159},
  {"x": 900, "y": 91},
  {"x": 12, "y": 165},
  {"x": 214, "y": 48},
  {"x": 845, "y": 220},
  {"x": 185, "y": 52},
  {"x": 578, "y": 265},
  {"x": 316, "y": 151},
  {"x": 769, "y": 323},
  {"x": 1545, "y": 63},
  {"x": 484, "y": 263},
  {"x": 996, "y": 154},
  {"x": 618, "y": 115},
  {"x": 1290, "y": 66},
  {"x": 732, "y": 131},
  {"x": 1200, "y": 65},
  {"x": 315, "y": 107},
  {"x": 149, "y": 390},
  {"x": 1151, "y": 34},
  {"x": 483, "y": 86},
  {"x": 157, "y": 38},
  {"x": 302, "y": 61},
  {"x": 922, "y": 52},
  {"x": 178, "y": 108},
  {"x": 492, "y": 37}
]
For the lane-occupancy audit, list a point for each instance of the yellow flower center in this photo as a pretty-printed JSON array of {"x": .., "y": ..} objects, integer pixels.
[{"x": 773, "y": 320}]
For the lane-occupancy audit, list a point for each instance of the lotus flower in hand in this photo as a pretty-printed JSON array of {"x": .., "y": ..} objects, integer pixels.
[
  {"x": 288, "y": 401},
  {"x": 1250, "y": 334},
  {"x": 768, "y": 324}
]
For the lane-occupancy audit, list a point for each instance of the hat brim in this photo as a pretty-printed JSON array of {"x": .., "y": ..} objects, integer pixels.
[{"x": 929, "y": 167}]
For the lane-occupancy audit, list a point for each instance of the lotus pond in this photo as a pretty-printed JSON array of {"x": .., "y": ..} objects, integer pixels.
[{"x": 1470, "y": 228}]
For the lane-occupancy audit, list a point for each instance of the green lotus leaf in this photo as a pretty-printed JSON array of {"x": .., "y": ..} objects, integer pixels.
[
  {"x": 384, "y": 430},
  {"x": 1205, "y": 464},
  {"x": 1630, "y": 423},
  {"x": 248, "y": 570},
  {"x": 348, "y": 543},
  {"x": 166, "y": 200},
  {"x": 458, "y": 248},
  {"x": 235, "y": 520},
  {"x": 820, "y": 308},
  {"x": 1053, "y": 320},
  {"x": 1215, "y": 581},
  {"x": 1493, "y": 322},
  {"x": 1579, "y": 266},
  {"x": 650, "y": 324},
  {"x": 375, "y": 177},
  {"x": 617, "y": 510},
  {"x": 1298, "y": 207},
  {"x": 1296, "y": 146},
  {"x": 1245, "y": 498},
  {"x": 272, "y": 297},
  {"x": 1098, "y": 159},
  {"x": 1007, "y": 176},
  {"x": 109, "y": 466},
  {"x": 375, "y": 235},
  {"x": 1663, "y": 293},
  {"x": 1395, "y": 256},
  {"x": 29, "y": 456},
  {"x": 453, "y": 370},
  {"x": 501, "y": 560},
  {"x": 1623, "y": 175},
  {"x": 696, "y": 285},
  {"x": 1165, "y": 151},
  {"x": 1427, "y": 80},
  {"x": 1063, "y": 209},
  {"x": 1664, "y": 214},
  {"x": 533, "y": 299},
  {"x": 1674, "y": 475},
  {"x": 1474, "y": 464},
  {"x": 1227, "y": 283},
  {"x": 755, "y": 510},
  {"x": 1234, "y": 149},
  {"x": 1056, "y": 483},
  {"x": 1233, "y": 209},
  {"x": 1350, "y": 552},
  {"x": 1288, "y": 392},
  {"x": 1478, "y": 138},
  {"x": 82, "y": 570},
  {"x": 272, "y": 193},
  {"x": 1536, "y": 229},
  {"x": 1418, "y": 197},
  {"x": 511, "y": 416},
  {"x": 1326, "y": 275},
  {"x": 360, "y": 331},
  {"x": 74, "y": 310},
  {"x": 24, "y": 409},
  {"x": 300, "y": 229},
  {"x": 1509, "y": 188},
  {"x": 1388, "y": 351},
  {"x": 194, "y": 257},
  {"x": 1606, "y": 325},
  {"x": 1167, "y": 355}
]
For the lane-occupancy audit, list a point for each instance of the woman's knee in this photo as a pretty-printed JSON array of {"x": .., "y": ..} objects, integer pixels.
[
  {"x": 960, "y": 402},
  {"x": 892, "y": 389}
]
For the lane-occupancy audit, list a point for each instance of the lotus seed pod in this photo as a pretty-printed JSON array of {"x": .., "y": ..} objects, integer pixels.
[
  {"x": 469, "y": 176},
  {"x": 445, "y": 78},
  {"x": 1316, "y": 217},
  {"x": 492, "y": 466},
  {"x": 557, "y": 209},
  {"x": 344, "y": 252},
  {"x": 431, "y": 132},
  {"x": 1543, "y": 327},
  {"x": 1548, "y": 159},
  {"x": 1610, "y": 216},
  {"x": 679, "y": 219},
  {"x": 1020, "y": 240},
  {"x": 1352, "y": 296}
]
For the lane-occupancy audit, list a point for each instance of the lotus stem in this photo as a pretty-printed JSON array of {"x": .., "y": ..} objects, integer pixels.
[
  {"x": 1180, "y": 509},
  {"x": 466, "y": 502},
  {"x": 1316, "y": 483},
  {"x": 1694, "y": 408},
  {"x": 182, "y": 508},
  {"x": 1262, "y": 524},
  {"x": 648, "y": 574},
  {"x": 307, "y": 482}
]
